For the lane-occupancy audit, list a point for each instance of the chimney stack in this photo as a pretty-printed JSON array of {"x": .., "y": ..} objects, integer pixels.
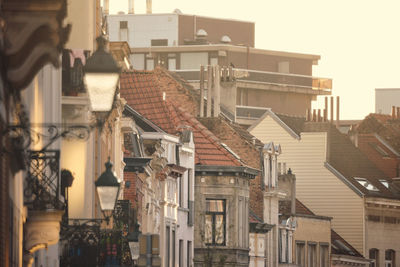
[
  {"x": 149, "y": 8},
  {"x": 398, "y": 112},
  {"x": 209, "y": 89},
  {"x": 217, "y": 81},
  {"x": 337, "y": 111},
  {"x": 201, "y": 91},
  {"x": 394, "y": 112},
  {"x": 106, "y": 7},
  {"x": 131, "y": 7},
  {"x": 331, "y": 109},
  {"x": 326, "y": 109}
]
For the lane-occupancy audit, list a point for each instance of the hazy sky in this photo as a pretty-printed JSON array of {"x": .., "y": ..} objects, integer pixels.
[{"x": 358, "y": 40}]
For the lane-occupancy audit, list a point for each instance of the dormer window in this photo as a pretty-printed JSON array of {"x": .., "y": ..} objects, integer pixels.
[
  {"x": 364, "y": 182},
  {"x": 384, "y": 182}
]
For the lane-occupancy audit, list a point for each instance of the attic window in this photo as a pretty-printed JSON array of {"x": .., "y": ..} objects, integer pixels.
[
  {"x": 384, "y": 182},
  {"x": 379, "y": 149},
  {"x": 364, "y": 182}
]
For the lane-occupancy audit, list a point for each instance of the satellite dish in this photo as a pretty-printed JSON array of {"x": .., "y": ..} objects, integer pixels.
[
  {"x": 201, "y": 33},
  {"x": 177, "y": 11},
  {"x": 226, "y": 39}
]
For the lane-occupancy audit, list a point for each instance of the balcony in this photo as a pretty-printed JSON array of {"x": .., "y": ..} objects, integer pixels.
[{"x": 247, "y": 77}]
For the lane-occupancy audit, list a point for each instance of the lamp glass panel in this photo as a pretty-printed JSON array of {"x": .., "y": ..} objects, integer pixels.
[
  {"x": 101, "y": 89},
  {"x": 107, "y": 196}
]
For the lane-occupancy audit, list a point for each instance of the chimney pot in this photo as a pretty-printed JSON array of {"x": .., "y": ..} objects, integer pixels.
[
  {"x": 149, "y": 8},
  {"x": 106, "y": 6},
  {"x": 131, "y": 7}
]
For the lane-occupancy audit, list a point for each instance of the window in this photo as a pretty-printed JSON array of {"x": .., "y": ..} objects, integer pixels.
[
  {"x": 149, "y": 64},
  {"x": 167, "y": 245},
  {"x": 123, "y": 24},
  {"x": 379, "y": 149},
  {"x": 159, "y": 42},
  {"x": 172, "y": 64},
  {"x": 173, "y": 248},
  {"x": 389, "y": 258},
  {"x": 283, "y": 67},
  {"x": 181, "y": 191},
  {"x": 283, "y": 246},
  {"x": 374, "y": 257},
  {"x": 215, "y": 222},
  {"x": 123, "y": 31},
  {"x": 300, "y": 254},
  {"x": 384, "y": 182},
  {"x": 180, "y": 253},
  {"x": 324, "y": 255},
  {"x": 312, "y": 254},
  {"x": 189, "y": 253},
  {"x": 364, "y": 182}
]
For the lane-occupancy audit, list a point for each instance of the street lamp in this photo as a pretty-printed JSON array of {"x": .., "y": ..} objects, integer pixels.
[
  {"x": 101, "y": 77},
  {"x": 107, "y": 187}
]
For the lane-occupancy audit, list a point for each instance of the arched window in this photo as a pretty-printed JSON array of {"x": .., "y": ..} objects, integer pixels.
[
  {"x": 374, "y": 257},
  {"x": 389, "y": 258}
]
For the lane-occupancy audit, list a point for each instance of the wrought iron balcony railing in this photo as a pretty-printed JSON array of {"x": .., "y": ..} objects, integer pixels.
[{"x": 42, "y": 184}]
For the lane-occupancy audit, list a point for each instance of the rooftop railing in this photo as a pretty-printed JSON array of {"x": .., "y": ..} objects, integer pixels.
[{"x": 273, "y": 78}]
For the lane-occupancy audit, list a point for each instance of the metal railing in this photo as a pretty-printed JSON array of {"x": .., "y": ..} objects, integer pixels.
[
  {"x": 42, "y": 184},
  {"x": 274, "y": 78}
]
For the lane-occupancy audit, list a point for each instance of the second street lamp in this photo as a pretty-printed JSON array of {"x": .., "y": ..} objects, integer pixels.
[{"x": 107, "y": 187}]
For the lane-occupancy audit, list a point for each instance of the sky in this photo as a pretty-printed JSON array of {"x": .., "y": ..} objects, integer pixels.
[{"x": 358, "y": 40}]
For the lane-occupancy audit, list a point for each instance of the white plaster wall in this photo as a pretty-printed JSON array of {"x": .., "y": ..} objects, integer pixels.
[
  {"x": 186, "y": 232},
  {"x": 142, "y": 28},
  {"x": 42, "y": 100}
]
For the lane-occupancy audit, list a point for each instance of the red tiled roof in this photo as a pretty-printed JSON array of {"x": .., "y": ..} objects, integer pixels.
[
  {"x": 385, "y": 126},
  {"x": 143, "y": 91},
  {"x": 208, "y": 149},
  {"x": 302, "y": 209}
]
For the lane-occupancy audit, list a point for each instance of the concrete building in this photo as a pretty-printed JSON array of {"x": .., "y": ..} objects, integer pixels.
[
  {"x": 182, "y": 43},
  {"x": 385, "y": 98},
  {"x": 335, "y": 179}
]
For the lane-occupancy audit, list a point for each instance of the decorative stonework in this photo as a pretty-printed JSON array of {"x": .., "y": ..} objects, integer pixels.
[{"x": 42, "y": 229}]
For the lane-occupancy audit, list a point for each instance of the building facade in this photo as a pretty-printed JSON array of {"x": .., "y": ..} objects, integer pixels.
[{"x": 332, "y": 162}]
